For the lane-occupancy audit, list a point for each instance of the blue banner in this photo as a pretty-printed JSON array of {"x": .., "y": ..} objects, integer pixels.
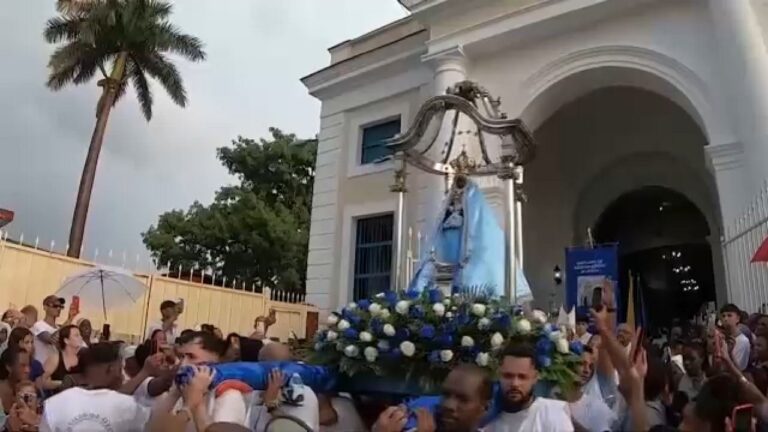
[{"x": 587, "y": 269}]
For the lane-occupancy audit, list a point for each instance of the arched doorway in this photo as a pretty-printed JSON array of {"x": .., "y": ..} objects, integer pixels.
[{"x": 663, "y": 241}]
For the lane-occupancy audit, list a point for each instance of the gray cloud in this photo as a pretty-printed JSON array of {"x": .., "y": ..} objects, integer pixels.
[{"x": 258, "y": 50}]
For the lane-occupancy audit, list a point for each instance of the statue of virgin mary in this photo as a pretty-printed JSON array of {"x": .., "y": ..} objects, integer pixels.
[{"x": 466, "y": 248}]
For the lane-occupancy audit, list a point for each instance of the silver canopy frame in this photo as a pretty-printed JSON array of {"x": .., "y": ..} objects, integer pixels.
[{"x": 461, "y": 104}]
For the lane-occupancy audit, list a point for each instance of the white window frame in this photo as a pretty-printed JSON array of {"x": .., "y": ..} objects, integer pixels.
[{"x": 371, "y": 115}]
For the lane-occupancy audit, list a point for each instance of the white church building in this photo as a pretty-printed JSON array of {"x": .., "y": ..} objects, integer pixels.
[{"x": 650, "y": 119}]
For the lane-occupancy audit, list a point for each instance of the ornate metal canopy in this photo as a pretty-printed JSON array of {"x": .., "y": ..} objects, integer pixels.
[{"x": 462, "y": 105}]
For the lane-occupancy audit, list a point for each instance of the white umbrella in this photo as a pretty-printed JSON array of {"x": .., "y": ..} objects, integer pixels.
[{"x": 103, "y": 287}]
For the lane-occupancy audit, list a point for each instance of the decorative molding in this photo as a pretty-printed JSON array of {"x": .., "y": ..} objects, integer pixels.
[
  {"x": 454, "y": 54},
  {"x": 680, "y": 76},
  {"x": 728, "y": 156}
]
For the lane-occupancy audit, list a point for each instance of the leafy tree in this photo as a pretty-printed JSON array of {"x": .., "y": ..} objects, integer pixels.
[
  {"x": 256, "y": 231},
  {"x": 131, "y": 37}
]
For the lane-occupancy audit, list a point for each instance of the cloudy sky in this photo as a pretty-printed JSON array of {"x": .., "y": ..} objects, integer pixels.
[{"x": 257, "y": 51}]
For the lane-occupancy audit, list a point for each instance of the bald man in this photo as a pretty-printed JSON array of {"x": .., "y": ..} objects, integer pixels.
[{"x": 275, "y": 351}]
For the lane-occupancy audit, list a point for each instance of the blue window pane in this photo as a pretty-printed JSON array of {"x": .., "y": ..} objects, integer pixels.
[
  {"x": 374, "y": 140},
  {"x": 373, "y": 256}
]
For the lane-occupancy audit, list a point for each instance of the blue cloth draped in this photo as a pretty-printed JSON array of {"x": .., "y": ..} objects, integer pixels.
[
  {"x": 476, "y": 247},
  {"x": 256, "y": 375}
]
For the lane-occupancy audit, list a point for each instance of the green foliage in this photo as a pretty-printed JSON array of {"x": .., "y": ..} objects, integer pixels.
[
  {"x": 92, "y": 34},
  {"x": 256, "y": 231}
]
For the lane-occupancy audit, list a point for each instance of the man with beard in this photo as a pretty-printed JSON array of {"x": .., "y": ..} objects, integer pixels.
[
  {"x": 587, "y": 407},
  {"x": 522, "y": 411},
  {"x": 466, "y": 397}
]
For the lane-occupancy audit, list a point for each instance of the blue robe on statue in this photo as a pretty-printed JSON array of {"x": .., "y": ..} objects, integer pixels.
[{"x": 467, "y": 235}]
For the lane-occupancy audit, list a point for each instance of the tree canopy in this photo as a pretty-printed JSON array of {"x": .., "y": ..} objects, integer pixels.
[{"x": 256, "y": 231}]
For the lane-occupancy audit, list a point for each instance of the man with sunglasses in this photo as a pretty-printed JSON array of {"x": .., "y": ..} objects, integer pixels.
[{"x": 46, "y": 330}]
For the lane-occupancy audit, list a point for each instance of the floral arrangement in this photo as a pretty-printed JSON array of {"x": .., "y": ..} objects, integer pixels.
[{"x": 418, "y": 337}]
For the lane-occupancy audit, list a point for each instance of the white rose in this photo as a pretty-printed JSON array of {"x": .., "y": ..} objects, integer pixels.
[
  {"x": 339, "y": 346},
  {"x": 352, "y": 306},
  {"x": 383, "y": 345},
  {"x": 478, "y": 309},
  {"x": 538, "y": 316},
  {"x": 331, "y": 335},
  {"x": 384, "y": 313},
  {"x": 370, "y": 354},
  {"x": 407, "y": 348},
  {"x": 562, "y": 346},
  {"x": 351, "y": 351},
  {"x": 447, "y": 301},
  {"x": 438, "y": 309},
  {"x": 523, "y": 326},
  {"x": 446, "y": 355},
  {"x": 374, "y": 309},
  {"x": 449, "y": 315},
  {"x": 365, "y": 336},
  {"x": 343, "y": 325},
  {"x": 467, "y": 341},
  {"x": 389, "y": 330},
  {"x": 497, "y": 340},
  {"x": 483, "y": 323},
  {"x": 379, "y": 295},
  {"x": 332, "y": 319},
  {"x": 555, "y": 336},
  {"x": 402, "y": 307},
  {"x": 482, "y": 359}
]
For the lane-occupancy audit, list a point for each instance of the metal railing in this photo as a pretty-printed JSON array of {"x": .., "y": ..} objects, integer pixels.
[{"x": 747, "y": 281}]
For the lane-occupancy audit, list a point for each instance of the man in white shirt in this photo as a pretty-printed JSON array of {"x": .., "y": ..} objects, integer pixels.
[
  {"x": 522, "y": 411},
  {"x": 98, "y": 406},
  {"x": 169, "y": 311},
  {"x": 46, "y": 330},
  {"x": 586, "y": 403},
  {"x": 730, "y": 316}
]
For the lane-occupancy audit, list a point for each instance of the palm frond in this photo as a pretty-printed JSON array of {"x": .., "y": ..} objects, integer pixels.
[
  {"x": 171, "y": 39},
  {"x": 143, "y": 92},
  {"x": 159, "y": 68},
  {"x": 159, "y": 9},
  {"x": 62, "y": 28},
  {"x": 74, "y": 62}
]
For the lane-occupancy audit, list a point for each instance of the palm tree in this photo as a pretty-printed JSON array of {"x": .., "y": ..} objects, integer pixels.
[{"x": 133, "y": 39}]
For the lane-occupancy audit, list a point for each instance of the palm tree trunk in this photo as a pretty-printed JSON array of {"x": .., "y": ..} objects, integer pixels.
[{"x": 83, "y": 201}]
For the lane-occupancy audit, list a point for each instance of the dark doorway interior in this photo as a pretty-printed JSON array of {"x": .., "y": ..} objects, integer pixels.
[{"x": 662, "y": 239}]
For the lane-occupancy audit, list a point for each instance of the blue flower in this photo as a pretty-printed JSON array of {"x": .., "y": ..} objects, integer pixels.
[
  {"x": 502, "y": 321},
  {"x": 463, "y": 318},
  {"x": 416, "y": 312},
  {"x": 434, "y": 357},
  {"x": 428, "y": 332},
  {"x": 351, "y": 333},
  {"x": 390, "y": 297},
  {"x": 394, "y": 353},
  {"x": 435, "y": 295},
  {"x": 544, "y": 346},
  {"x": 402, "y": 333},
  {"x": 444, "y": 340},
  {"x": 543, "y": 361},
  {"x": 363, "y": 304},
  {"x": 412, "y": 294},
  {"x": 576, "y": 347},
  {"x": 354, "y": 319},
  {"x": 377, "y": 325}
]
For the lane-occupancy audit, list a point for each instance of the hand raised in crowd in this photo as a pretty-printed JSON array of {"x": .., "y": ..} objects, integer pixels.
[
  {"x": 393, "y": 419},
  {"x": 22, "y": 418},
  {"x": 609, "y": 298},
  {"x": 154, "y": 365},
  {"x": 194, "y": 392},
  {"x": 425, "y": 421},
  {"x": 274, "y": 385}
]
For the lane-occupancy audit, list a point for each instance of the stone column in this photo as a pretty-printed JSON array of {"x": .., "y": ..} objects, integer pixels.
[
  {"x": 744, "y": 69},
  {"x": 450, "y": 67}
]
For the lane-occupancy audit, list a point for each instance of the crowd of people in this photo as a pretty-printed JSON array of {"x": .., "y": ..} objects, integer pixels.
[{"x": 64, "y": 377}]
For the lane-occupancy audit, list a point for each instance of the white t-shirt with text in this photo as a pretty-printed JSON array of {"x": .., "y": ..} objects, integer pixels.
[
  {"x": 42, "y": 349},
  {"x": 78, "y": 409},
  {"x": 543, "y": 415}
]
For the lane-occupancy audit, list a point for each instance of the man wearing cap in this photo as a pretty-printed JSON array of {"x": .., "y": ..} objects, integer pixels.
[
  {"x": 169, "y": 310},
  {"x": 46, "y": 330}
]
